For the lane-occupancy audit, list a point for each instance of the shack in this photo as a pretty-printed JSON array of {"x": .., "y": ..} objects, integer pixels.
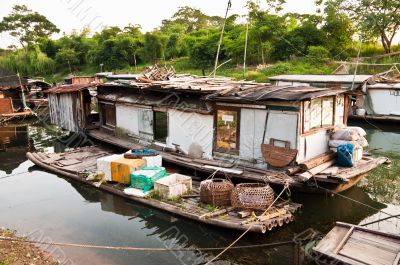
[
  {"x": 80, "y": 80},
  {"x": 12, "y": 98},
  {"x": 298, "y": 118},
  {"x": 70, "y": 106}
]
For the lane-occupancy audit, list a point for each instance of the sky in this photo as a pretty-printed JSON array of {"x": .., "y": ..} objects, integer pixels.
[{"x": 69, "y": 15}]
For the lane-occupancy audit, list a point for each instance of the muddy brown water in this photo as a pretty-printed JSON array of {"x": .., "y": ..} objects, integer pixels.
[{"x": 48, "y": 207}]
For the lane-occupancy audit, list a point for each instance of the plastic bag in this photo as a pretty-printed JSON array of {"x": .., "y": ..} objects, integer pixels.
[{"x": 345, "y": 155}]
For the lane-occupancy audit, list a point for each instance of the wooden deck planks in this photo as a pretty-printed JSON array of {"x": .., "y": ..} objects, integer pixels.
[{"x": 357, "y": 245}]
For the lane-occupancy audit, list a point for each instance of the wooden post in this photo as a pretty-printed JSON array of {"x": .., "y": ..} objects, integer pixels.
[
  {"x": 298, "y": 254},
  {"x": 22, "y": 92},
  {"x": 221, "y": 38}
]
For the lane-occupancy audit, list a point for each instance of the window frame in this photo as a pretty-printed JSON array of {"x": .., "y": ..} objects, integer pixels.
[
  {"x": 322, "y": 128},
  {"x": 103, "y": 109},
  {"x": 217, "y": 149},
  {"x": 155, "y": 126}
]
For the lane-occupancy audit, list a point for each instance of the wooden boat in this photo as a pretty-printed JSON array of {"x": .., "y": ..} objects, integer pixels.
[
  {"x": 77, "y": 163},
  {"x": 356, "y": 245},
  {"x": 16, "y": 116},
  {"x": 342, "y": 180}
]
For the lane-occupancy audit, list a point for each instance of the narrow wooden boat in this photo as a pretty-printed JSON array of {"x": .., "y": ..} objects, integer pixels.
[
  {"x": 341, "y": 180},
  {"x": 356, "y": 245},
  {"x": 76, "y": 164}
]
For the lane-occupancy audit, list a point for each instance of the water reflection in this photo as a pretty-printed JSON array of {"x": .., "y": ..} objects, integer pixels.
[{"x": 14, "y": 143}]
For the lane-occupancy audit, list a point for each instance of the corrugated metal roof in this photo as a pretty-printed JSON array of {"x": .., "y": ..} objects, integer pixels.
[
  {"x": 276, "y": 93},
  {"x": 385, "y": 86},
  {"x": 9, "y": 80},
  {"x": 322, "y": 78},
  {"x": 69, "y": 88}
]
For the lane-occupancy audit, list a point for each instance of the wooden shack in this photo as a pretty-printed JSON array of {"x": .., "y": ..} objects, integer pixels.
[
  {"x": 12, "y": 101},
  {"x": 81, "y": 80},
  {"x": 297, "y": 118},
  {"x": 70, "y": 106}
]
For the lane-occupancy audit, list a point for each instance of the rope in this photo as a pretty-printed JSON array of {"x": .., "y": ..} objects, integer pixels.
[
  {"x": 361, "y": 203},
  {"x": 275, "y": 244},
  {"x": 381, "y": 219},
  {"x": 248, "y": 229}
]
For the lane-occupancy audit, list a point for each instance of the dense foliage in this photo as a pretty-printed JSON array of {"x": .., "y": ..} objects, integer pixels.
[{"x": 273, "y": 37}]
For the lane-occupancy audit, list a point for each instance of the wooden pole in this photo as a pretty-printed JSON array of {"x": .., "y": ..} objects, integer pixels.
[
  {"x": 221, "y": 38},
  {"x": 245, "y": 48},
  {"x": 22, "y": 92}
]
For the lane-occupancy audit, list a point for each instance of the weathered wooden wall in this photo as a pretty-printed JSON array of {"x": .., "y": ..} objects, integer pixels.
[{"x": 65, "y": 111}]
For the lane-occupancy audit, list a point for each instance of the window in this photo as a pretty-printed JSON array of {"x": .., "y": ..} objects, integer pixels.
[
  {"x": 108, "y": 115},
  {"x": 160, "y": 126},
  {"x": 227, "y": 130},
  {"x": 318, "y": 113}
]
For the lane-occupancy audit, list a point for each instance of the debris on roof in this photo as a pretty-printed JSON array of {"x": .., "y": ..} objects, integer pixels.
[
  {"x": 271, "y": 93},
  {"x": 156, "y": 73},
  {"x": 188, "y": 83}
]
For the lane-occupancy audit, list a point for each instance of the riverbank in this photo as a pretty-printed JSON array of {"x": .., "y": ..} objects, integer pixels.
[{"x": 18, "y": 253}]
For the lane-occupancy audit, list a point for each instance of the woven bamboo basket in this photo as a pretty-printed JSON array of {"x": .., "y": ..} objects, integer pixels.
[
  {"x": 216, "y": 191},
  {"x": 252, "y": 196}
]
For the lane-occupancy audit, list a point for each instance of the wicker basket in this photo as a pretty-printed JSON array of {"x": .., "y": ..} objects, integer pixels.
[
  {"x": 216, "y": 191},
  {"x": 252, "y": 196}
]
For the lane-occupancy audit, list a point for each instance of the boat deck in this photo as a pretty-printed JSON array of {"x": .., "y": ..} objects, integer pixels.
[
  {"x": 350, "y": 244},
  {"x": 340, "y": 180},
  {"x": 77, "y": 164}
]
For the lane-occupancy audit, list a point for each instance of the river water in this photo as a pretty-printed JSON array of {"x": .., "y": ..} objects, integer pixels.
[{"x": 48, "y": 207}]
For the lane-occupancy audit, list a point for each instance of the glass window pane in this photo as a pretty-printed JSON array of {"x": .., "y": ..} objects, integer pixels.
[
  {"x": 316, "y": 119},
  {"x": 227, "y": 129},
  {"x": 327, "y": 111}
]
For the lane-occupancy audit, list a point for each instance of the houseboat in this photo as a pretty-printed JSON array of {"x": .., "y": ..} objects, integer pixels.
[
  {"x": 253, "y": 132},
  {"x": 12, "y": 97}
]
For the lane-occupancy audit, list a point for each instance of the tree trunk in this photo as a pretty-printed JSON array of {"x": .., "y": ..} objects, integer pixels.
[{"x": 387, "y": 44}]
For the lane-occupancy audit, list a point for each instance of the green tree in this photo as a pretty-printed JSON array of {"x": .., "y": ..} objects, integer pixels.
[
  {"x": 26, "y": 25},
  {"x": 202, "y": 47},
  {"x": 339, "y": 30},
  {"x": 380, "y": 18}
]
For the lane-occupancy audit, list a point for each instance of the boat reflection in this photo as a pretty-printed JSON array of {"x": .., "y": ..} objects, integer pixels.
[{"x": 14, "y": 143}]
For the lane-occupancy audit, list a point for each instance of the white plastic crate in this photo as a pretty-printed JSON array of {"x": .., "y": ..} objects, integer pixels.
[{"x": 174, "y": 185}]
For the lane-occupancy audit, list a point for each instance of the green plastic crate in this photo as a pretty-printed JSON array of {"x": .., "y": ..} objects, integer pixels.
[{"x": 144, "y": 179}]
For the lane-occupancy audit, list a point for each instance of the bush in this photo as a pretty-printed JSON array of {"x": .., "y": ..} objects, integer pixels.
[{"x": 317, "y": 55}]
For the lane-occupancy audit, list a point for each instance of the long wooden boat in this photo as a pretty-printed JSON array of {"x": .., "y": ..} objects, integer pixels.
[
  {"x": 16, "y": 116},
  {"x": 341, "y": 180},
  {"x": 76, "y": 164},
  {"x": 356, "y": 245}
]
